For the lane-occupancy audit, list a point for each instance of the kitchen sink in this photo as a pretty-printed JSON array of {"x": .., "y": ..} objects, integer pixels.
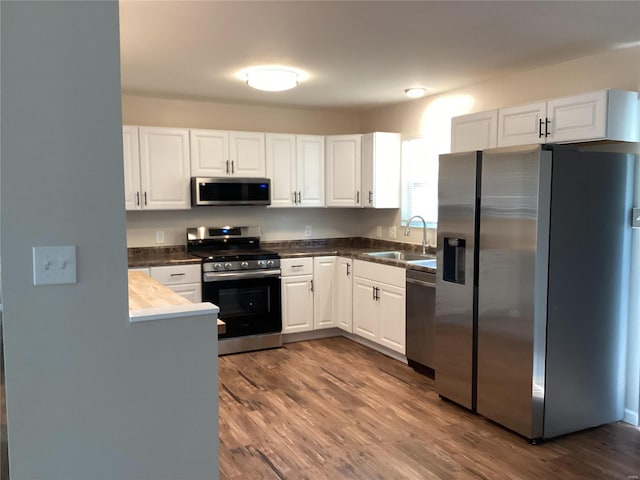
[
  {"x": 410, "y": 257},
  {"x": 428, "y": 262}
]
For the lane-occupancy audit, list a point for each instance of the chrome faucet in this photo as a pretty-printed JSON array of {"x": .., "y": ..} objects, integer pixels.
[{"x": 407, "y": 232}]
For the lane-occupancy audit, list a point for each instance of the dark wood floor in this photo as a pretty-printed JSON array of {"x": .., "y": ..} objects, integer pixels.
[{"x": 333, "y": 409}]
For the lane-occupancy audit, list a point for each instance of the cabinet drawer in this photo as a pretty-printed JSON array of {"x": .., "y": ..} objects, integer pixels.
[
  {"x": 380, "y": 273},
  {"x": 176, "y": 274},
  {"x": 296, "y": 266}
]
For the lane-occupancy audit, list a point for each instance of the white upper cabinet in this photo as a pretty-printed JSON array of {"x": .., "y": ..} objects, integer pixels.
[
  {"x": 601, "y": 115},
  {"x": 281, "y": 169},
  {"x": 310, "y": 170},
  {"x": 209, "y": 153},
  {"x": 160, "y": 181},
  {"x": 522, "y": 125},
  {"x": 476, "y": 131},
  {"x": 295, "y": 165},
  {"x": 607, "y": 114},
  {"x": 131, "y": 155},
  {"x": 219, "y": 153},
  {"x": 343, "y": 160},
  {"x": 246, "y": 152},
  {"x": 381, "y": 170}
]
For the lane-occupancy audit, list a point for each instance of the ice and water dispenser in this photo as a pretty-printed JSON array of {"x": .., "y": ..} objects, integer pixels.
[{"x": 453, "y": 261}]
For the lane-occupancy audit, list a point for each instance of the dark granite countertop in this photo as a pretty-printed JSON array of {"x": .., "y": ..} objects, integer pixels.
[
  {"x": 160, "y": 256},
  {"x": 356, "y": 248}
]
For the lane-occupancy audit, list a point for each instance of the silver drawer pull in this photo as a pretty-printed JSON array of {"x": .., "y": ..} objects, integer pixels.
[
  {"x": 297, "y": 266},
  {"x": 176, "y": 274}
]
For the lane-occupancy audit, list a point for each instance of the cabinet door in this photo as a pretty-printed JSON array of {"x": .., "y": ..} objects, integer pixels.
[
  {"x": 190, "y": 291},
  {"x": 164, "y": 168},
  {"x": 343, "y": 297},
  {"x": 521, "y": 125},
  {"x": 297, "y": 304},
  {"x": 343, "y": 170},
  {"x": 310, "y": 170},
  {"x": 247, "y": 154},
  {"x": 581, "y": 117},
  {"x": 381, "y": 170},
  {"x": 131, "y": 157},
  {"x": 391, "y": 310},
  {"x": 209, "y": 153},
  {"x": 476, "y": 131},
  {"x": 323, "y": 288},
  {"x": 365, "y": 314},
  {"x": 281, "y": 169}
]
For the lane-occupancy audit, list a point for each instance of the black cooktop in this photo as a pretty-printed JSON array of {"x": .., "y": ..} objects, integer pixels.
[{"x": 229, "y": 255}]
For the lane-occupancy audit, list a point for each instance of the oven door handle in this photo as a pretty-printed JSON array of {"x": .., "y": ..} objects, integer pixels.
[{"x": 224, "y": 276}]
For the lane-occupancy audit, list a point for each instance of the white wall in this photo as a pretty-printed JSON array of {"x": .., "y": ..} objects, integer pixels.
[{"x": 89, "y": 395}]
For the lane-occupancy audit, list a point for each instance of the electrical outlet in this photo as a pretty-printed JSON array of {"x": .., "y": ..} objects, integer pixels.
[
  {"x": 160, "y": 236},
  {"x": 379, "y": 231},
  {"x": 392, "y": 232},
  {"x": 307, "y": 231},
  {"x": 54, "y": 265}
]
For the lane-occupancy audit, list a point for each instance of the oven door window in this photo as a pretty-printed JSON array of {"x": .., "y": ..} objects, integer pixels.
[{"x": 239, "y": 301}]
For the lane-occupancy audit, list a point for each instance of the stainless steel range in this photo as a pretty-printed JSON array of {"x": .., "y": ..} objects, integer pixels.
[{"x": 244, "y": 281}]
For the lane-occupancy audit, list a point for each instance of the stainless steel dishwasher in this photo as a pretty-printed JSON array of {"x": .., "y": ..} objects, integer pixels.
[{"x": 421, "y": 305}]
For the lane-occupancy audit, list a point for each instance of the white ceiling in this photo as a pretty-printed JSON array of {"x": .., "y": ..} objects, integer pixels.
[{"x": 360, "y": 54}]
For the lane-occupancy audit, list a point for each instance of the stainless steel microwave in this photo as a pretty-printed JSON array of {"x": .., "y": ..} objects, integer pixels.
[{"x": 230, "y": 191}]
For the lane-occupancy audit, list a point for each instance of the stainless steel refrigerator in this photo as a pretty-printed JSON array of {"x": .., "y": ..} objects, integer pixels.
[{"x": 532, "y": 286}]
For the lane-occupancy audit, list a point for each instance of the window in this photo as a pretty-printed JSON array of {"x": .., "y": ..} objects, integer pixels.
[{"x": 419, "y": 182}]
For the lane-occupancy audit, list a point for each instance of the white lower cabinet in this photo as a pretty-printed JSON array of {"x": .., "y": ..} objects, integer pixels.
[
  {"x": 323, "y": 275},
  {"x": 185, "y": 280},
  {"x": 343, "y": 294},
  {"x": 297, "y": 303},
  {"x": 379, "y": 304},
  {"x": 307, "y": 293}
]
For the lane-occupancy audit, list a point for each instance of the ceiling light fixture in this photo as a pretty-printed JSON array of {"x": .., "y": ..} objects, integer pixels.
[
  {"x": 272, "y": 78},
  {"x": 415, "y": 92}
]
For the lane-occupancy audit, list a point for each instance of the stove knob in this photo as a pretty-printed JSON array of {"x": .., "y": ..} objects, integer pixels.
[
  {"x": 217, "y": 266},
  {"x": 262, "y": 263},
  {"x": 244, "y": 265},
  {"x": 227, "y": 266},
  {"x": 269, "y": 263}
]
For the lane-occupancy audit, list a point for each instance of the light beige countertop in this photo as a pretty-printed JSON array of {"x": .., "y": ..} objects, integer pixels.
[{"x": 151, "y": 300}]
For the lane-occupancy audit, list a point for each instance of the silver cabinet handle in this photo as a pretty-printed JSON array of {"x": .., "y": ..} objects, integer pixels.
[
  {"x": 233, "y": 169},
  {"x": 377, "y": 293},
  {"x": 373, "y": 289},
  {"x": 138, "y": 199},
  {"x": 294, "y": 198},
  {"x": 358, "y": 197},
  {"x": 311, "y": 283},
  {"x": 177, "y": 274},
  {"x": 299, "y": 197},
  {"x": 145, "y": 199},
  {"x": 348, "y": 272},
  {"x": 297, "y": 266},
  {"x": 227, "y": 162},
  {"x": 370, "y": 196}
]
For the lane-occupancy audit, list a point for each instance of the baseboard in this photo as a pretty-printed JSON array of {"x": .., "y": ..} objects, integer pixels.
[
  {"x": 374, "y": 346},
  {"x": 630, "y": 417},
  {"x": 311, "y": 335}
]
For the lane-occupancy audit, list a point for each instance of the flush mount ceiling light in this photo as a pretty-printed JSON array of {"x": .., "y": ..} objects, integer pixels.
[
  {"x": 415, "y": 92},
  {"x": 272, "y": 78}
]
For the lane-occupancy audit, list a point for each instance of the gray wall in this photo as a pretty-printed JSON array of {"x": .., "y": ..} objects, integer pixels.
[{"x": 89, "y": 396}]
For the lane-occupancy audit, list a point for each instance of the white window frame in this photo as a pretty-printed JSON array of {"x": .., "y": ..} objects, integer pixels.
[{"x": 416, "y": 177}]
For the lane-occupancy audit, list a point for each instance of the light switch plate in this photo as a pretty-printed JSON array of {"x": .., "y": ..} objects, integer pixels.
[
  {"x": 635, "y": 218},
  {"x": 307, "y": 231},
  {"x": 379, "y": 231},
  {"x": 54, "y": 265}
]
